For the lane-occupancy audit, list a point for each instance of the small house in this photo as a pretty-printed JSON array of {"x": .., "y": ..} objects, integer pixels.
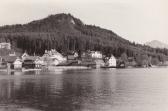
[
  {"x": 10, "y": 60},
  {"x": 72, "y": 56},
  {"x": 5, "y": 45},
  {"x": 53, "y": 57},
  {"x": 112, "y": 62},
  {"x": 38, "y": 63},
  {"x": 17, "y": 63},
  {"x": 7, "y": 56},
  {"x": 29, "y": 62}
]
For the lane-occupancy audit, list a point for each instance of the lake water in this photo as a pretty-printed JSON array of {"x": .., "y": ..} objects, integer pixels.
[{"x": 86, "y": 90}]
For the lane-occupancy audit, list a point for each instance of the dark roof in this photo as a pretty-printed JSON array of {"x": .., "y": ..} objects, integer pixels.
[
  {"x": 9, "y": 59},
  {"x": 33, "y": 58},
  {"x": 6, "y": 52}
]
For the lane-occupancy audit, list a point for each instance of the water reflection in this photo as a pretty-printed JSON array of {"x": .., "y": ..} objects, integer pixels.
[{"x": 85, "y": 90}]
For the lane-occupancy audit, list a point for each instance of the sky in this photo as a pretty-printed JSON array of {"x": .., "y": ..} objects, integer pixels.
[{"x": 135, "y": 20}]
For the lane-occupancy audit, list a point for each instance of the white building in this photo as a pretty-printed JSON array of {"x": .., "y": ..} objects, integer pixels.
[
  {"x": 53, "y": 57},
  {"x": 112, "y": 62},
  {"x": 17, "y": 63},
  {"x": 12, "y": 54},
  {"x": 38, "y": 63},
  {"x": 5, "y": 45},
  {"x": 57, "y": 55},
  {"x": 96, "y": 54}
]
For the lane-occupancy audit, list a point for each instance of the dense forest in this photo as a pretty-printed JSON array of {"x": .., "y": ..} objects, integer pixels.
[{"x": 66, "y": 33}]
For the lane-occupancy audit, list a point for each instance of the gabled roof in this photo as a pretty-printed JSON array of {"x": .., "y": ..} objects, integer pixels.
[{"x": 25, "y": 55}]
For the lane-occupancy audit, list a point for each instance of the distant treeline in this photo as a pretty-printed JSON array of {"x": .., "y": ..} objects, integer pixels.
[{"x": 65, "y": 33}]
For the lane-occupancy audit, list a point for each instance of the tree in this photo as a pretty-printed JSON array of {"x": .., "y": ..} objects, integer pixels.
[
  {"x": 162, "y": 58},
  {"x": 155, "y": 61},
  {"x": 138, "y": 59},
  {"x": 124, "y": 57},
  {"x": 145, "y": 60}
]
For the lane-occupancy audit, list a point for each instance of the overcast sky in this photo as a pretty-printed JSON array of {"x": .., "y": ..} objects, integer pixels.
[{"x": 135, "y": 20}]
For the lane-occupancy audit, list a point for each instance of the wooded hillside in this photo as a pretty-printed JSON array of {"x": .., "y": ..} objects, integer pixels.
[{"x": 64, "y": 33}]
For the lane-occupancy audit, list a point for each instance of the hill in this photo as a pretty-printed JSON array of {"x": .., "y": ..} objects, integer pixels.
[
  {"x": 157, "y": 44},
  {"x": 65, "y": 33}
]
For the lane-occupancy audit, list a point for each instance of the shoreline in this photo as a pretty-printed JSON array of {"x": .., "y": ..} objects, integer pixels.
[{"x": 50, "y": 68}]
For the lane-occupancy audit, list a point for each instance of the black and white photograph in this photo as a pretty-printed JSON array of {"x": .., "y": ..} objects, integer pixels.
[{"x": 83, "y": 55}]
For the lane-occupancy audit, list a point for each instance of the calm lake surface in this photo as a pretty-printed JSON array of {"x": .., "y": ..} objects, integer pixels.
[{"x": 85, "y": 90}]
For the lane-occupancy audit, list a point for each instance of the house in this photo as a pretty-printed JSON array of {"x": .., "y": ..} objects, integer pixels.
[
  {"x": 96, "y": 54},
  {"x": 12, "y": 54},
  {"x": 9, "y": 60},
  {"x": 53, "y": 57},
  {"x": 39, "y": 63},
  {"x": 72, "y": 56},
  {"x": 112, "y": 62},
  {"x": 56, "y": 57},
  {"x": 28, "y": 64},
  {"x": 5, "y": 45},
  {"x": 25, "y": 56},
  {"x": 7, "y": 56},
  {"x": 28, "y": 61},
  {"x": 17, "y": 64},
  {"x": 87, "y": 60}
]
